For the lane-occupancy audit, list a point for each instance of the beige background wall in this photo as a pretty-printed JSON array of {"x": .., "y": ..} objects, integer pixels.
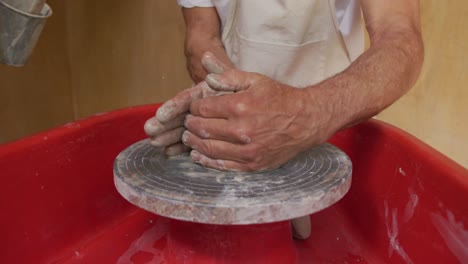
[
  {"x": 436, "y": 109},
  {"x": 96, "y": 56}
]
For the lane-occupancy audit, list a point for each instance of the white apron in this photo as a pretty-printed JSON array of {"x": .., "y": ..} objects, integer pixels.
[{"x": 296, "y": 42}]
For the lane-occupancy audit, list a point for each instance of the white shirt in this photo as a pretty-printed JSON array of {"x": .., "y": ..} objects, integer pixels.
[{"x": 346, "y": 11}]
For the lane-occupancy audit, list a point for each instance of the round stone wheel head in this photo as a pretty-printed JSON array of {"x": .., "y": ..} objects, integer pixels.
[{"x": 178, "y": 188}]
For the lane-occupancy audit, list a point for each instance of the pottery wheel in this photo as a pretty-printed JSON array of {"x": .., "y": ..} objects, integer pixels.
[{"x": 178, "y": 188}]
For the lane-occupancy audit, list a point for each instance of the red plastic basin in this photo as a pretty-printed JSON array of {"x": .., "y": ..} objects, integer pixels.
[{"x": 408, "y": 203}]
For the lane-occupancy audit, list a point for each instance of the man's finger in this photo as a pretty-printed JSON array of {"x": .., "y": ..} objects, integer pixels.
[
  {"x": 223, "y": 165},
  {"x": 232, "y": 80},
  {"x": 176, "y": 149},
  {"x": 182, "y": 101},
  {"x": 167, "y": 138},
  {"x": 213, "y": 107},
  {"x": 177, "y": 105},
  {"x": 153, "y": 127},
  {"x": 217, "y": 129},
  {"x": 212, "y": 64},
  {"x": 216, "y": 149}
]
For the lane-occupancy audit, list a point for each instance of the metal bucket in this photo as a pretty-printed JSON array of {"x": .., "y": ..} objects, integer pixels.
[{"x": 19, "y": 32}]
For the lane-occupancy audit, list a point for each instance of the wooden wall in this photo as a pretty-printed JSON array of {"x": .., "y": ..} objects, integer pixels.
[
  {"x": 95, "y": 56},
  {"x": 124, "y": 53},
  {"x": 38, "y": 96}
]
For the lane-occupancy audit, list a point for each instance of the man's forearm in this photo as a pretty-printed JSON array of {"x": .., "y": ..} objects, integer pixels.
[
  {"x": 387, "y": 70},
  {"x": 202, "y": 34}
]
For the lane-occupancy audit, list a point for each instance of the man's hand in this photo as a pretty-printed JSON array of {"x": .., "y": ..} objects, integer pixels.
[
  {"x": 167, "y": 126},
  {"x": 261, "y": 126},
  {"x": 265, "y": 123},
  {"x": 202, "y": 34}
]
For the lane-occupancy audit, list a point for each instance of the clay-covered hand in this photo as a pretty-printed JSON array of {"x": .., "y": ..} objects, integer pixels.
[
  {"x": 166, "y": 127},
  {"x": 261, "y": 126}
]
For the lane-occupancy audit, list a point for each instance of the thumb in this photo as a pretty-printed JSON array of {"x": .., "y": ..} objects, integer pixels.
[
  {"x": 232, "y": 80},
  {"x": 180, "y": 103},
  {"x": 214, "y": 65}
]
